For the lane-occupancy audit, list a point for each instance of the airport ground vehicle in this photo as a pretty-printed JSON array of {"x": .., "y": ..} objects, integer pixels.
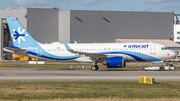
[
  {"x": 161, "y": 68},
  {"x": 24, "y": 58}
]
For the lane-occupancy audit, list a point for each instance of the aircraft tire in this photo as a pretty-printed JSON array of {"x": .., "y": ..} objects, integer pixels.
[
  {"x": 94, "y": 68},
  {"x": 97, "y": 67}
]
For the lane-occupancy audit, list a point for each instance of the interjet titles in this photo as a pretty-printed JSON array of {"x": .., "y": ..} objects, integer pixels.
[{"x": 138, "y": 46}]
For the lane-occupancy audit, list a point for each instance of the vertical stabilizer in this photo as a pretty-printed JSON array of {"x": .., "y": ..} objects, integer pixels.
[{"x": 20, "y": 37}]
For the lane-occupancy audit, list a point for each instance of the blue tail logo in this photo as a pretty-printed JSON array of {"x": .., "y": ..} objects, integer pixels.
[{"x": 19, "y": 35}]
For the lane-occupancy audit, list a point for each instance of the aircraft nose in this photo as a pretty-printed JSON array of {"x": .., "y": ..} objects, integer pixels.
[{"x": 172, "y": 54}]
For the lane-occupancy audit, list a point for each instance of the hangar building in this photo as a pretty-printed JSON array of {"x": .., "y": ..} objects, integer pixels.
[{"x": 54, "y": 25}]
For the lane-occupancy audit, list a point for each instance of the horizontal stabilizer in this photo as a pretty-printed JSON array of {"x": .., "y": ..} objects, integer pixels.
[{"x": 13, "y": 48}]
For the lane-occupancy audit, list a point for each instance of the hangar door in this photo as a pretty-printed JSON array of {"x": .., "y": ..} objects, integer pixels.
[{"x": 6, "y": 40}]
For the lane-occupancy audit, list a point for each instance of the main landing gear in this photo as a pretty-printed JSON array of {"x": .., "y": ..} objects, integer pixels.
[{"x": 95, "y": 66}]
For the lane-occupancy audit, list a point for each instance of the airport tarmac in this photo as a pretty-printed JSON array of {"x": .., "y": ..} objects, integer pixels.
[{"x": 36, "y": 74}]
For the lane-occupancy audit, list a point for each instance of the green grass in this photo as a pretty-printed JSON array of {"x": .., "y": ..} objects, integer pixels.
[
  {"x": 67, "y": 66},
  {"x": 87, "y": 90}
]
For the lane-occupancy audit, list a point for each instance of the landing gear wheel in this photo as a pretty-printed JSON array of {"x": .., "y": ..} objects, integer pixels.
[
  {"x": 93, "y": 68},
  {"x": 97, "y": 67}
]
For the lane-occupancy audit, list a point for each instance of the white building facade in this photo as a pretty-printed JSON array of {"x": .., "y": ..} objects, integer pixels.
[{"x": 177, "y": 33}]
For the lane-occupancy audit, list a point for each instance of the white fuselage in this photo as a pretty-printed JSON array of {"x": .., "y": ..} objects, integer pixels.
[
  {"x": 25, "y": 44},
  {"x": 130, "y": 51}
]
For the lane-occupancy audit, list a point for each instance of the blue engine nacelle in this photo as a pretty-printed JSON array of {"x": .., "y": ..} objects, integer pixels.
[{"x": 114, "y": 62}]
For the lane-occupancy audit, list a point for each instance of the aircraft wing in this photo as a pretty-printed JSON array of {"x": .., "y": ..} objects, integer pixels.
[{"x": 91, "y": 55}]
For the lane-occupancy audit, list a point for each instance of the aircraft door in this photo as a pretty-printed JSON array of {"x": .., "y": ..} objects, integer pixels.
[
  {"x": 109, "y": 49},
  {"x": 152, "y": 49},
  {"x": 105, "y": 49}
]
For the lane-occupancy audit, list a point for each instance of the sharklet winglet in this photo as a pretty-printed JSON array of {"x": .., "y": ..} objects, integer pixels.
[{"x": 67, "y": 47}]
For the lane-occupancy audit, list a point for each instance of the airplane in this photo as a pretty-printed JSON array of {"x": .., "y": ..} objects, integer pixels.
[{"x": 114, "y": 55}]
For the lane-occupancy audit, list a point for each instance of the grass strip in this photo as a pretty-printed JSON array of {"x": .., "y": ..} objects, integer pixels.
[
  {"x": 67, "y": 66},
  {"x": 88, "y": 90}
]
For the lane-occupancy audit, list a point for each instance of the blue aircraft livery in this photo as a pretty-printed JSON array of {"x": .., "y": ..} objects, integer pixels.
[
  {"x": 138, "y": 46},
  {"x": 19, "y": 35},
  {"x": 114, "y": 55}
]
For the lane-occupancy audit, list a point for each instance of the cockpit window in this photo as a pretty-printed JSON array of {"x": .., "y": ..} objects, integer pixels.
[{"x": 164, "y": 48}]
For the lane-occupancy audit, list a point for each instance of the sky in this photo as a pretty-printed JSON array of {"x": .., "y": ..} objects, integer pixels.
[{"x": 98, "y": 5}]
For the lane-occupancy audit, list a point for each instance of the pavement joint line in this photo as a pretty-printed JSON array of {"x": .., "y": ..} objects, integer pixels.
[{"x": 87, "y": 77}]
